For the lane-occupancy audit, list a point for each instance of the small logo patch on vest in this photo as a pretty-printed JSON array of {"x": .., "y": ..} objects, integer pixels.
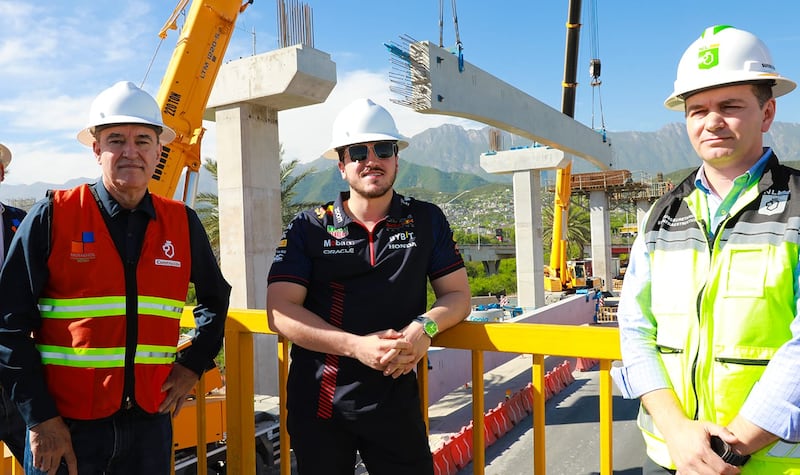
[
  {"x": 169, "y": 252},
  {"x": 773, "y": 202},
  {"x": 83, "y": 250}
]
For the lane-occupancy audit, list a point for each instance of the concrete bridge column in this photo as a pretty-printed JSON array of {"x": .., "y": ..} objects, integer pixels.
[
  {"x": 642, "y": 206},
  {"x": 528, "y": 229},
  {"x": 600, "y": 224},
  {"x": 245, "y": 101},
  {"x": 491, "y": 267}
]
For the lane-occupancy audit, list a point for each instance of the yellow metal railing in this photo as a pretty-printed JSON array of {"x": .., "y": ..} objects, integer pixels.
[{"x": 538, "y": 340}]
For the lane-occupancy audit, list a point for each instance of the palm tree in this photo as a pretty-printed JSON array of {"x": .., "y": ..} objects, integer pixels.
[
  {"x": 208, "y": 209},
  {"x": 579, "y": 232},
  {"x": 208, "y": 203},
  {"x": 288, "y": 182}
]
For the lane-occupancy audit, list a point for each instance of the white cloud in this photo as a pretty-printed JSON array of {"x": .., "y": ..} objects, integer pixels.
[{"x": 48, "y": 163}]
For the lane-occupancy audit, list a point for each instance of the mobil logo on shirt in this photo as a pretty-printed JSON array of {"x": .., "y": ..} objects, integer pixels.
[{"x": 338, "y": 246}]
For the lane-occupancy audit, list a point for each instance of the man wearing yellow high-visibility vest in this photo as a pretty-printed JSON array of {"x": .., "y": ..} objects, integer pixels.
[
  {"x": 708, "y": 318},
  {"x": 91, "y": 296}
]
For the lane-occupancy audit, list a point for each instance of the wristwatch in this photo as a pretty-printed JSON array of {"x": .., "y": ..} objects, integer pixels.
[
  {"x": 726, "y": 452},
  {"x": 428, "y": 326}
]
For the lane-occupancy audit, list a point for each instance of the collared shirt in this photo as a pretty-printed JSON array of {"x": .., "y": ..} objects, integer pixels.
[
  {"x": 362, "y": 281},
  {"x": 25, "y": 274},
  {"x": 774, "y": 402}
]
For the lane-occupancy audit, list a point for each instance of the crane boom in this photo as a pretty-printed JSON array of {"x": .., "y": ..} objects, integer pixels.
[
  {"x": 559, "y": 277},
  {"x": 186, "y": 87}
]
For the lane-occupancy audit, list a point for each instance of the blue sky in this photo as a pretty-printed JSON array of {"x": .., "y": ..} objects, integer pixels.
[{"x": 55, "y": 56}]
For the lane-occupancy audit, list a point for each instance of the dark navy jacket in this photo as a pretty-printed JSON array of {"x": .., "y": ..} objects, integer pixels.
[{"x": 11, "y": 219}]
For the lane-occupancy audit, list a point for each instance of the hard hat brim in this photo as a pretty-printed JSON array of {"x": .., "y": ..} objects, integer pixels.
[
  {"x": 5, "y": 155},
  {"x": 167, "y": 135},
  {"x": 782, "y": 86},
  {"x": 332, "y": 154}
]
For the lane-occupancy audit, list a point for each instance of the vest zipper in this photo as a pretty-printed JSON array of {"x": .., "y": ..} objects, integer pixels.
[{"x": 742, "y": 361}]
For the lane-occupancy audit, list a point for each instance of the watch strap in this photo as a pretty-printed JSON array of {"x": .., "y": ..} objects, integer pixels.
[{"x": 726, "y": 452}]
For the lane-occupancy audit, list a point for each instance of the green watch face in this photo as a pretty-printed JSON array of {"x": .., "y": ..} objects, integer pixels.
[{"x": 431, "y": 328}]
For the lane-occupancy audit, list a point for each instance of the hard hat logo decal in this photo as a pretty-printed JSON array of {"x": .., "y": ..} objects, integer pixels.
[{"x": 708, "y": 57}]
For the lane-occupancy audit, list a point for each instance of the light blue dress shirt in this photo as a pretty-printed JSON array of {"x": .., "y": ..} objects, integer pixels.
[{"x": 774, "y": 402}]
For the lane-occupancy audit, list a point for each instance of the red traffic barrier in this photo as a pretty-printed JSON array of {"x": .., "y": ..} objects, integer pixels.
[
  {"x": 527, "y": 398},
  {"x": 461, "y": 447},
  {"x": 488, "y": 434},
  {"x": 515, "y": 409},
  {"x": 443, "y": 462},
  {"x": 501, "y": 423},
  {"x": 585, "y": 364}
]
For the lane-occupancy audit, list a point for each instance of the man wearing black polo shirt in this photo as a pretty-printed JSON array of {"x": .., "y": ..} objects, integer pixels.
[{"x": 348, "y": 288}]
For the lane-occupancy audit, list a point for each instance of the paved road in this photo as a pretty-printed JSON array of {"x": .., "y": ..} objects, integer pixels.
[{"x": 573, "y": 445}]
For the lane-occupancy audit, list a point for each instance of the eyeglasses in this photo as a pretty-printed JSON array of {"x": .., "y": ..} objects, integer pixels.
[{"x": 383, "y": 150}]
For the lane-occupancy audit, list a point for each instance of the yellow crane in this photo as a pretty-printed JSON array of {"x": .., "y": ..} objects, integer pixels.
[
  {"x": 561, "y": 275},
  {"x": 183, "y": 96},
  {"x": 186, "y": 87}
]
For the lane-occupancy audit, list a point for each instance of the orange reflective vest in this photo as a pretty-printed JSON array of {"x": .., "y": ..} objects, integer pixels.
[{"x": 83, "y": 336}]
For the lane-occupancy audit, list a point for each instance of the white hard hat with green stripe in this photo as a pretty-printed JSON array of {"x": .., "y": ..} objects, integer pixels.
[{"x": 725, "y": 55}]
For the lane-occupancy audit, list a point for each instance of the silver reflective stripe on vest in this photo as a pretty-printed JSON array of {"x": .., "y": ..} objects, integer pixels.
[
  {"x": 155, "y": 354},
  {"x": 160, "y": 306},
  {"x": 82, "y": 307},
  {"x": 784, "y": 450},
  {"x": 82, "y": 357}
]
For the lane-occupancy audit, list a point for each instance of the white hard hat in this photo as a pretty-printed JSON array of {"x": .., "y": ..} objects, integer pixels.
[
  {"x": 363, "y": 121},
  {"x": 725, "y": 55},
  {"x": 5, "y": 156},
  {"x": 124, "y": 103}
]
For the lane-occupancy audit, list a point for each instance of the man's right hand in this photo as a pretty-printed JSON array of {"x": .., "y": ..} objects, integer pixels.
[
  {"x": 50, "y": 442},
  {"x": 377, "y": 349}
]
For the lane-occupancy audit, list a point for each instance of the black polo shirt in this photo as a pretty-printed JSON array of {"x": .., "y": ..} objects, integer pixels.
[{"x": 362, "y": 282}]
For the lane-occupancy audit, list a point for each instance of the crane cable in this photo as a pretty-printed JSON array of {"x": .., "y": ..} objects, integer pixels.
[
  {"x": 170, "y": 24},
  {"x": 459, "y": 46},
  {"x": 594, "y": 64}
]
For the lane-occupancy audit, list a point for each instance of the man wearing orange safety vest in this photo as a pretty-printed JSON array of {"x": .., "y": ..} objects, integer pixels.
[{"x": 98, "y": 276}]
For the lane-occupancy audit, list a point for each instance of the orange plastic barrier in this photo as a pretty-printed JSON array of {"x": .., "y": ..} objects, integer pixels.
[
  {"x": 514, "y": 408},
  {"x": 443, "y": 462},
  {"x": 460, "y": 447}
]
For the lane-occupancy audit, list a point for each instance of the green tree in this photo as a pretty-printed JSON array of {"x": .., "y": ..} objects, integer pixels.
[
  {"x": 208, "y": 209},
  {"x": 208, "y": 203},
  {"x": 579, "y": 233},
  {"x": 288, "y": 183}
]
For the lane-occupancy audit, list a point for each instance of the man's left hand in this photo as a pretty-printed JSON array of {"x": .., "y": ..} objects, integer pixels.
[
  {"x": 179, "y": 383},
  {"x": 403, "y": 362}
]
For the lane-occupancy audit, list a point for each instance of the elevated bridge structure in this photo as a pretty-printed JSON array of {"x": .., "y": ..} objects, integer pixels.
[{"x": 431, "y": 80}]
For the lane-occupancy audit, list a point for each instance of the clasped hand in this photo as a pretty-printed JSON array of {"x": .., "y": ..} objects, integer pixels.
[{"x": 395, "y": 353}]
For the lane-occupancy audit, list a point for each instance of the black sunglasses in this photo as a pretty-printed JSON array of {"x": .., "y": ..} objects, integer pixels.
[{"x": 383, "y": 150}]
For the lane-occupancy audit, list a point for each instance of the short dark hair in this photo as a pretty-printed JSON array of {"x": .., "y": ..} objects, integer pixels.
[{"x": 763, "y": 91}]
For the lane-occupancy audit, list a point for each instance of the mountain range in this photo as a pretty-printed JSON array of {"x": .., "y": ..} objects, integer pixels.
[{"x": 446, "y": 159}]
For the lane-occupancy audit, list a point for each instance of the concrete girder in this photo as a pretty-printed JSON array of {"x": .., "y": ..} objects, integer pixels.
[{"x": 438, "y": 87}]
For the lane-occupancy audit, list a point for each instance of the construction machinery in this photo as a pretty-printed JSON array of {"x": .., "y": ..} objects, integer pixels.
[
  {"x": 186, "y": 87},
  {"x": 183, "y": 96},
  {"x": 184, "y": 439},
  {"x": 559, "y": 276}
]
